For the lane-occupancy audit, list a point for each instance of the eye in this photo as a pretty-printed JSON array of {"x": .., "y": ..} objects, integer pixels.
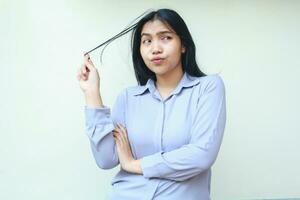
[
  {"x": 166, "y": 38},
  {"x": 146, "y": 41}
]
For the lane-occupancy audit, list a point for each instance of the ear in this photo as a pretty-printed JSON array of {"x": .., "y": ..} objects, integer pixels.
[{"x": 182, "y": 49}]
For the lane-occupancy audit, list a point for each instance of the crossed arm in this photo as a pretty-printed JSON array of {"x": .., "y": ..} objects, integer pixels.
[
  {"x": 126, "y": 159},
  {"x": 179, "y": 164}
]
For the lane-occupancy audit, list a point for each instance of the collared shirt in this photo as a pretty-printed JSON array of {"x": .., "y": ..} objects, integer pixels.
[{"x": 176, "y": 138}]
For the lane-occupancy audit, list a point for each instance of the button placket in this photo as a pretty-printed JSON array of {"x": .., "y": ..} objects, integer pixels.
[{"x": 162, "y": 126}]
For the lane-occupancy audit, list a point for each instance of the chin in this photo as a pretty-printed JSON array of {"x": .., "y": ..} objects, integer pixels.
[{"x": 160, "y": 72}]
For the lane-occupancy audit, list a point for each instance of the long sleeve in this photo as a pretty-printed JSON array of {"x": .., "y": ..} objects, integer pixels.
[
  {"x": 206, "y": 136},
  {"x": 99, "y": 125}
]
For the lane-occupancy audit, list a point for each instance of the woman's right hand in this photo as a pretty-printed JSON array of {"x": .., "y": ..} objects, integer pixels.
[{"x": 88, "y": 77}]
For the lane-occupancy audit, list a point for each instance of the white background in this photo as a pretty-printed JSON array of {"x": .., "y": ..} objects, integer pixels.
[{"x": 253, "y": 45}]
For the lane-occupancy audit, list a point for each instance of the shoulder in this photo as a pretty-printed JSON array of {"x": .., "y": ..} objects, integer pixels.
[
  {"x": 131, "y": 91},
  {"x": 212, "y": 79},
  {"x": 135, "y": 90},
  {"x": 212, "y": 82}
]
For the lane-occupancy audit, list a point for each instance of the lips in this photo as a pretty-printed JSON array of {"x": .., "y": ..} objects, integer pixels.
[{"x": 157, "y": 60}]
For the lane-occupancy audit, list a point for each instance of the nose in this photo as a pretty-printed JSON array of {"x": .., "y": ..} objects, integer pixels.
[{"x": 156, "y": 48}]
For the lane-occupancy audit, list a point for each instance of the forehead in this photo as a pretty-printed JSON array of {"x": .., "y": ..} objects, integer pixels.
[{"x": 155, "y": 27}]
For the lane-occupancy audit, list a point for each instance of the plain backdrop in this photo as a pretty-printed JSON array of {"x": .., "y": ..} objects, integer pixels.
[{"x": 252, "y": 45}]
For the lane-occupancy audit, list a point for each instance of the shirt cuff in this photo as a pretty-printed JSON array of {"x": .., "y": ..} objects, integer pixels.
[
  {"x": 152, "y": 165},
  {"x": 93, "y": 114}
]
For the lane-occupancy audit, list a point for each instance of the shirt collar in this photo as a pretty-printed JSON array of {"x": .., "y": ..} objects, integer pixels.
[{"x": 186, "y": 81}]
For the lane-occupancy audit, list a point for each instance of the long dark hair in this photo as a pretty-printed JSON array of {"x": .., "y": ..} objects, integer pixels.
[{"x": 172, "y": 19}]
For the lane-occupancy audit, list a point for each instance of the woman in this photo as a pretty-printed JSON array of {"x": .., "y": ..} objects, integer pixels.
[{"x": 165, "y": 132}]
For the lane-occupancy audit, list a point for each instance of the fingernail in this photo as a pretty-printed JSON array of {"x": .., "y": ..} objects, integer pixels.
[{"x": 86, "y": 55}]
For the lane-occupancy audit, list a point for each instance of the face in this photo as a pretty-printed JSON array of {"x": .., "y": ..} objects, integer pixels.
[{"x": 160, "y": 48}]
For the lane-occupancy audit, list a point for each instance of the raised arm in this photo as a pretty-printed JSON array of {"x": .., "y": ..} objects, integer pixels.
[{"x": 99, "y": 120}]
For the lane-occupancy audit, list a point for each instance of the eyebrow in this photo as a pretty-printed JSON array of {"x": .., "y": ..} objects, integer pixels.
[{"x": 158, "y": 33}]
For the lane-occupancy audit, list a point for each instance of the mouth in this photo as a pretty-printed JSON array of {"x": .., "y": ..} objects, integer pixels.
[{"x": 157, "y": 61}]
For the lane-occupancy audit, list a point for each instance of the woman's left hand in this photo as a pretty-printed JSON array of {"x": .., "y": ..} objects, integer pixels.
[{"x": 126, "y": 158}]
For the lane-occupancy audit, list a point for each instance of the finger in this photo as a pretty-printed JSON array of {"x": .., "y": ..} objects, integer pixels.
[
  {"x": 114, "y": 135},
  {"x": 117, "y": 135},
  {"x": 82, "y": 72},
  {"x": 91, "y": 62},
  {"x": 87, "y": 56},
  {"x": 117, "y": 140},
  {"x": 88, "y": 62},
  {"x": 117, "y": 129},
  {"x": 84, "y": 69},
  {"x": 122, "y": 128},
  {"x": 118, "y": 145},
  {"x": 124, "y": 131},
  {"x": 83, "y": 77},
  {"x": 120, "y": 134}
]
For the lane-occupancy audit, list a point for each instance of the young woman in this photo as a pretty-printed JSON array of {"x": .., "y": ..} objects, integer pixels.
[{"x": 165, "y": 132}]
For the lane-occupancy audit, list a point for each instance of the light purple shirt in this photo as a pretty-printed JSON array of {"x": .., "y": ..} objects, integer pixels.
[{"x": 176, "y": 138}]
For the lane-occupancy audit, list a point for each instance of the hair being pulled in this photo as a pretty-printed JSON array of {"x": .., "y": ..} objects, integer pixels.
[{"x": 172, "y": 19}]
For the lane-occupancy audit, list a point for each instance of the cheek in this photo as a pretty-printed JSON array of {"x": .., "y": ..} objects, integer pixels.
[
  {"x": 175, "y": 52},
  {"x": 143, "y": 54}
]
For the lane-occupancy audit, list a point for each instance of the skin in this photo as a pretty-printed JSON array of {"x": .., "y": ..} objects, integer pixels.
[{"x": 158, "y": 40}]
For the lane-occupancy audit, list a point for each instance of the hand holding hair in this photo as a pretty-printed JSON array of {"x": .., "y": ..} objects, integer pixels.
[{"x": 89, "y": 82}]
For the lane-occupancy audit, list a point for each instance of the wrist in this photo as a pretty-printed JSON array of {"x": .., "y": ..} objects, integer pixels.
[
  {"x": 93, "y": 99},
  {"x": 92, "y": 92},
  {"x": 135, "y": 167}
]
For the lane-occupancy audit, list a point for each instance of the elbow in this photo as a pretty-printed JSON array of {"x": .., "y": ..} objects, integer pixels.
[
  {"x": 104, "y": 160},
  {"x": 206, "y": 162},
  {"x": 205, "y": 165},
  {"x": 106, "y": 165}
]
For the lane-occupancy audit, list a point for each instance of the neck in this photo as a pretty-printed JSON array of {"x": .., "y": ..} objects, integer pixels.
[{"x": 169, "y": 80}]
